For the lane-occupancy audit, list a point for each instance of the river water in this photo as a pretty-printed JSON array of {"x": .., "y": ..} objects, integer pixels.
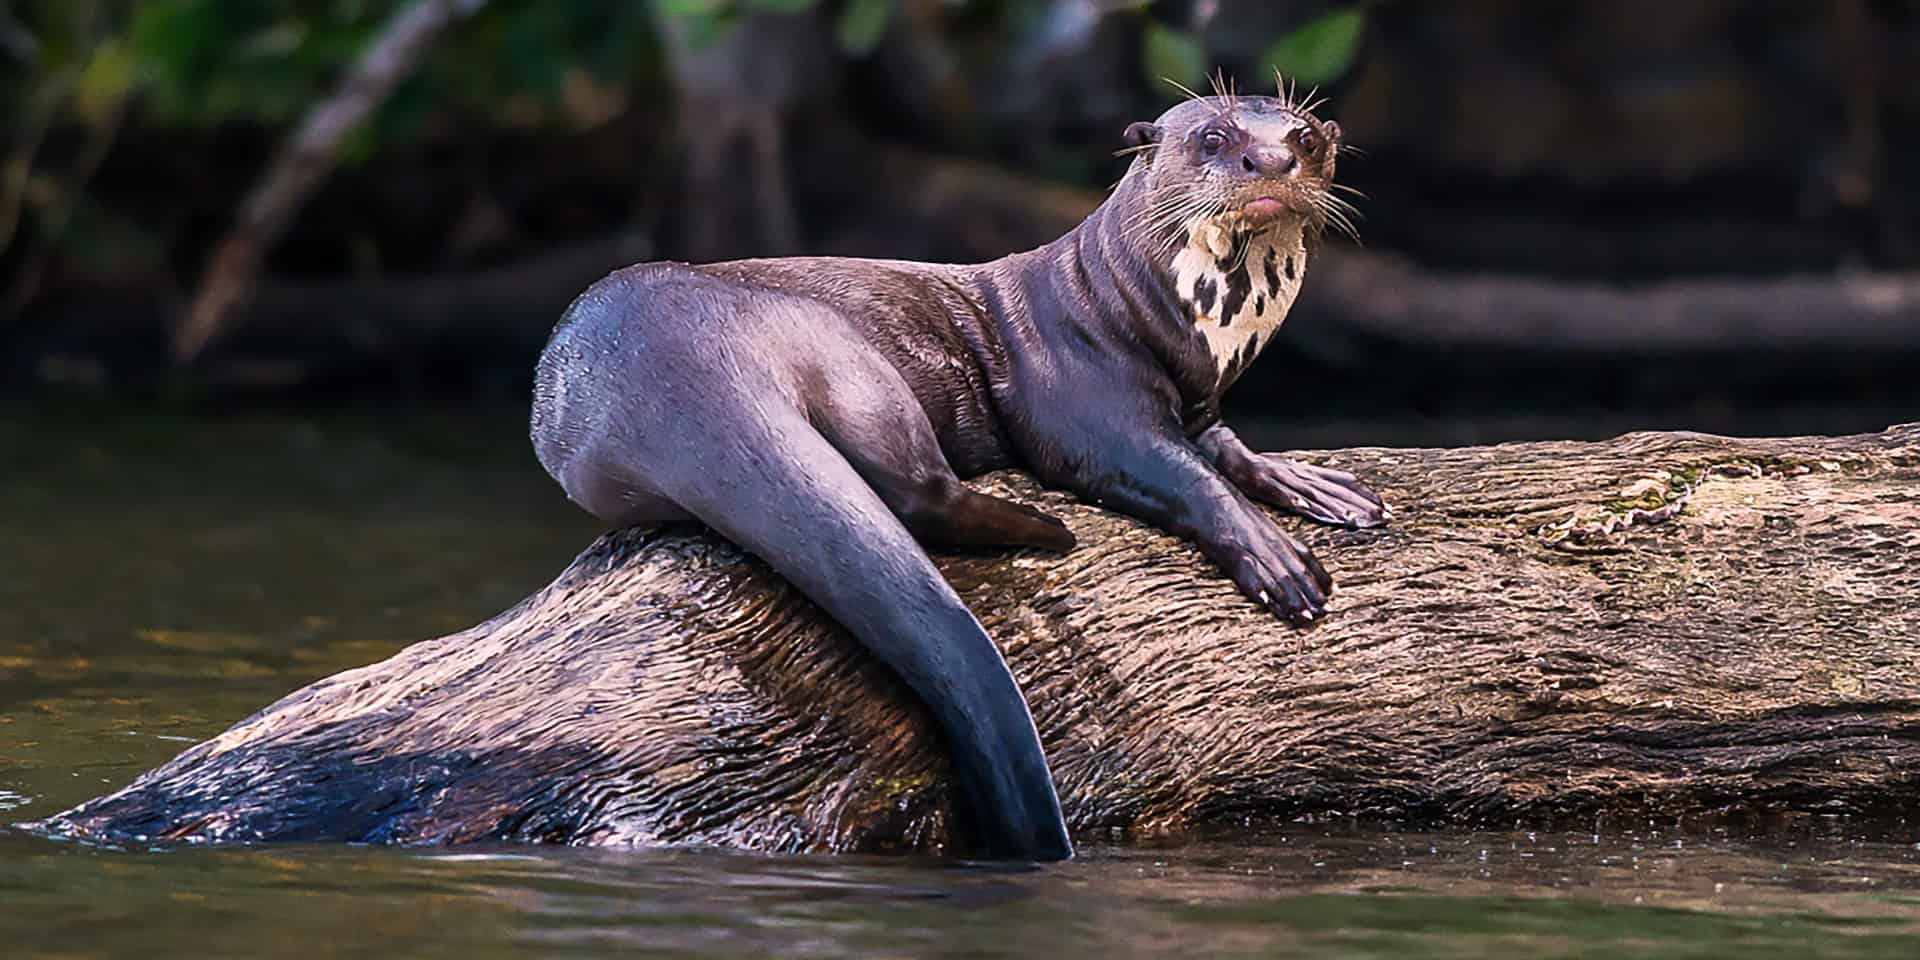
[{"x": 162, "y": 577}]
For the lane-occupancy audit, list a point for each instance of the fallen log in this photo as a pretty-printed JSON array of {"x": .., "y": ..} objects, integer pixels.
[{"x": 1667, "y": 625}]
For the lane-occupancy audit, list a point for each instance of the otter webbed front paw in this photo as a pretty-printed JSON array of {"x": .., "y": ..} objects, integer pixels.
[
  {"x": 1279, "y": 573},
  {"x": 1318, "y": 493}
]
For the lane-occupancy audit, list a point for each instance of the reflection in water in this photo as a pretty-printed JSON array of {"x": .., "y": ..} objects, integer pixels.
[
  {"x": 1328, "y": 892},
  {"x": 184, "y": 573}
]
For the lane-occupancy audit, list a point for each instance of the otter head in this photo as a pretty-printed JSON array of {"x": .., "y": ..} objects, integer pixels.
[
  {"x": 1244, "y": 163},
  {"x": 1225, "y": 196}
]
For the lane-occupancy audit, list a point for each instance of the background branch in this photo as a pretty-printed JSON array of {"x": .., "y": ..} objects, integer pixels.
[{"x": 304, "y": 161}]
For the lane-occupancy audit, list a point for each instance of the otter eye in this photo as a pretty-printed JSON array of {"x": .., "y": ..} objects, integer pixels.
[
  {"x": 1309, "y": 141},
  {"x": 1213, "y": 141}
]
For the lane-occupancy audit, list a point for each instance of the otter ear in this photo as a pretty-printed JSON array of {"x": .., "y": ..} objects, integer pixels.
[
  {"x": 1333, "y": 133},
  {"x": 1140, "y": 133}
]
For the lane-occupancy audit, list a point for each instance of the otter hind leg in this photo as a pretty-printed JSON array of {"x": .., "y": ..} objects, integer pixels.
[
  {"x": 618, "y": 498},
  {"x": 874, "y": 422},
  {"x": 942, "y": 511},
  {"x": 958, "y": 517}
]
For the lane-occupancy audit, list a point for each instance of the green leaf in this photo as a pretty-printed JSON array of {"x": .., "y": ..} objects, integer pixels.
[
  {"x": 1320, "y": 51},
  {"x": 862, "y": 25},
  {"x": 104, "y": 82},
  {"x": 279, "y": 40},
  {"x": 1171, "y": 54},
  {"x": 705, "y": 30},
  {"x": 782, "y": 6},
  {"x": 693, "y": 8}
]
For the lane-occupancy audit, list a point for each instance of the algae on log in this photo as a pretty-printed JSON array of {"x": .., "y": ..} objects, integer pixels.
[{"x": 1663, "y": 624}]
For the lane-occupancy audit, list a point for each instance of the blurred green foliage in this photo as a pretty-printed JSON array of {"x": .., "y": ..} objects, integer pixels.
[
  {"x": 1174, "y": 56},
  {"x": 76, "y": 65},
  {"x": 206, "y": 62},
  {"x": 1315, "y": 53},
  {"x": 859, "y": 28},
  {"x": 1322, "y": 50},
  {"x": 201, "y": 63}
]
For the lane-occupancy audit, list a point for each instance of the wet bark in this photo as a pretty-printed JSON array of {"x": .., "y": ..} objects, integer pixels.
[{"x": 1666, "y": 625}]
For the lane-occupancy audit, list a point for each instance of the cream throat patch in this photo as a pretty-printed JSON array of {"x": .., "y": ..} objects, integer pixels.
[{"x": 1237, "y": 287}]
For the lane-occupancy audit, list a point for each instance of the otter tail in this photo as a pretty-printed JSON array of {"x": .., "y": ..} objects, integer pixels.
[{"x": 792, "y": 499}]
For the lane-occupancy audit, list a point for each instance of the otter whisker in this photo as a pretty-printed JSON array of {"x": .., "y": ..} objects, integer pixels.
[
  {"x": 1208, "y": 209},
  {"x": 1188, "y": 215},
  {"x": 1182, "y": 215},
  {"x": 1154, "y": 194},
  {"x": 1338, "y": 213},
  {"x": 1163, "y": 213},
  {"x": 1171, "y": 213},
  {"x": 1156, "y": 205},
  {"x": 1313, "y": 101},
  {"x": 1226, "y": 91},
  {"x": 1340, "y": 202},
  {"x": 1344, "y": 208},
  {"x": 1246, "y": 250},
  {"x": 1183, "y": 88}
]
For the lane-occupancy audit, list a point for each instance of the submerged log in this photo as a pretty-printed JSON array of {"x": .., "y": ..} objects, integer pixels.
[{"x": 1667, "y": 625}]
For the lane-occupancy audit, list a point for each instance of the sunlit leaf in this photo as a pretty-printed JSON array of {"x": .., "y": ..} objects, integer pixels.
[
  {"x": 862, "y": 25},
  {"x": 703, "y": 30},
  {"x": 1322, "y": 50},
  {"x": 1173, "y": 55},
  {"x": 782, "y": 6},
  {"x": 278, "y": 40},
  {"x": 692, "y": 8},
  {"x": 104, "y": 83}
]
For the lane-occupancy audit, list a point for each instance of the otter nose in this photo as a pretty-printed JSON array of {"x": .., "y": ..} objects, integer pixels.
[{"x": 1270, "y": 161}]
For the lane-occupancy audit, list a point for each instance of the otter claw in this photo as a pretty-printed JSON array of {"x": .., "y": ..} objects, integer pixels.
[{"x": 1281, "y": 576}]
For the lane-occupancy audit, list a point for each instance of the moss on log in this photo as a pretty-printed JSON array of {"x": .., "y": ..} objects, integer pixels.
[{"x": 1673, "y": 625}]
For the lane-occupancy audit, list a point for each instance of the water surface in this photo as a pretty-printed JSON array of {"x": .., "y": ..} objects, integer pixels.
[{"x": 160, "y": 578}]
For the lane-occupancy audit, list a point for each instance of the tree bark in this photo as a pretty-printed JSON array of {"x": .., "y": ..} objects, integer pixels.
[{"x": 1664, "y": 625}]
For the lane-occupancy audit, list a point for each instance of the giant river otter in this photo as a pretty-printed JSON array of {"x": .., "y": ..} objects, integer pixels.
[{"x": 822, "y": 412}]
